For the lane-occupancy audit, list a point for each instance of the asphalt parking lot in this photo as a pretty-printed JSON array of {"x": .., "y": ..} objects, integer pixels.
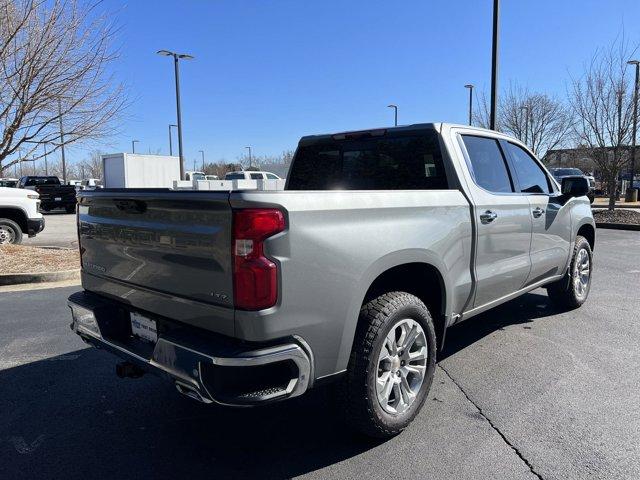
[
  {"x": 523, "y": 391},
  {"x": 59, "y": 230}
]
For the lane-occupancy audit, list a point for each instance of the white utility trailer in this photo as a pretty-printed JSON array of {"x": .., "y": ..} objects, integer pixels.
[{"x": 132, "y": 170}]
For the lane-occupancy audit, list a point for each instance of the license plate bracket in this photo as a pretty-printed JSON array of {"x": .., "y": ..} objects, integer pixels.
[{"x": 144, "y": 327}]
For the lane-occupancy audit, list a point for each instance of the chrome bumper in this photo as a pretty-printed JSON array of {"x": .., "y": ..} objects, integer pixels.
[{"x": 191, "y": 364}]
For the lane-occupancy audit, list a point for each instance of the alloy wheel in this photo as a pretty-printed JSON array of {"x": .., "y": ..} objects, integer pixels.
[{"x": 402, "y": 364}]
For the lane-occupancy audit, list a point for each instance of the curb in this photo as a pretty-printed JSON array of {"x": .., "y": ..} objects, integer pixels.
[
  {"x": 18, "y": 278},
  {"x": 618, "y": 226}
]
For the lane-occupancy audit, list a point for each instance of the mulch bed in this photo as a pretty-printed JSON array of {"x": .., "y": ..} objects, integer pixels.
[
  {"x": 627, "y": 217},
  {"x": 23, "y": 259}
]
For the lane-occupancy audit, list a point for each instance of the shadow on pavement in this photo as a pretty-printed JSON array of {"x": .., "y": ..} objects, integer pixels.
[
  {"x": 521, "y": 310},
  {"x": 70, "y": 416}
]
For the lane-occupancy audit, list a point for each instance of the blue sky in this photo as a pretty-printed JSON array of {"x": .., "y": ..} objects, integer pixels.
[{"x": 267, "y": 72}]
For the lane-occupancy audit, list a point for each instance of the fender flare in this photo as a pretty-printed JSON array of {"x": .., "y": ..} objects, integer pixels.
[{"x": 383, "y": 264}]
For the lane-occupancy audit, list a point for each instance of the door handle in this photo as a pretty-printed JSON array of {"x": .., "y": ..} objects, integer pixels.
[
  {"x": 488, "y": 216},
  {"x": 537, "y": 212}
]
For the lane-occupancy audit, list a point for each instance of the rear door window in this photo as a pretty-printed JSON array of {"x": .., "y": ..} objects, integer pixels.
[
  {"x": 488, "y": 165},
  {"x": 256, "y": 176},
  {"x": 410, "y": 162}
]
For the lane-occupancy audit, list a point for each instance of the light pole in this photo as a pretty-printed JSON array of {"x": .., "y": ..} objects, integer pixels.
[
  {"x": 170, "y": 143},
  {"x": 470, "y": 87},
  {"x": 176, "y": 57},
  {"x": 64, "y": 162},
  {"x": 133, "y": 145},
  {"x": 395, "y": 113},
  {"x": 494, "y": 64},
  {"x": 526, "y": 109},
  {"x": 632, "y": 194},
  {"x": 202, "y": 152},
  {"x": 46, "y": 166},
  {"x": 250, "y": 158}
]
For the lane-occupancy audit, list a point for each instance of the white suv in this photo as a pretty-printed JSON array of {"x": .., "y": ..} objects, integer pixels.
[
  {"x": 251, "y": 175},
  {"x": 19, "y": 214}
]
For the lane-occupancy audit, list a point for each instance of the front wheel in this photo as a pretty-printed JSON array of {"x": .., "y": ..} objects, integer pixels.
[
  {"x": 391, "y": 365},
  {"x": 10, "y": 232},
  {"x": 572, "y": 291}
]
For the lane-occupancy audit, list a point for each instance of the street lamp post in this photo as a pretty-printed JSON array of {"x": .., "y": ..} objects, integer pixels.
[
  {"x": 202, "y": 152},
  {"x": 133, "y": 145},
  {"x": 395, "y": 113},
  {"x": 470, "y": 87},
  {"x": 250, "y": 158},
  {"x": 176, "y": 57},
  {"x": 494, "y": 64},
  {"x": 526, "y": 109},
  {"x": 170, "y": 142},
  {"x": 632, "y": 193},
  {"x": 64, "y": 162},
  {"x": 46, "y": 166}
]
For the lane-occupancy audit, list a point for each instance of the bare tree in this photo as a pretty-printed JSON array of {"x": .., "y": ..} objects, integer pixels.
[
  {"x": 541, "y": 122},
  {"x": 92, "y": 166},
  {"x": 602, "y": 104},
  {"x": 54, "y": 59},
  {"x": 278, "y": 164}
]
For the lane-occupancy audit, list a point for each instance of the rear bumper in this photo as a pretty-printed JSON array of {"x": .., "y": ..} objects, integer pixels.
[
  {"x": 208, "y": 368},
  {"x": 35, "y": 226}
]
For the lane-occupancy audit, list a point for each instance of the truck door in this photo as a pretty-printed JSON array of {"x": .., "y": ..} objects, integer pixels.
[
  {"x": 503, "y": 220},
  {"x": 551, "y": 221}
]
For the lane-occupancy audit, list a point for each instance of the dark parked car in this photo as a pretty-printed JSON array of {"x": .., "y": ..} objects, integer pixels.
[
  {"x": 560, "y": 173},
  {"x": 52, "y": 193}
]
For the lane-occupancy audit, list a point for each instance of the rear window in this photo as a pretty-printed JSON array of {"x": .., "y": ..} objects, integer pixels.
[
  {"x": 565, "y": 172},
  {"x": 31, "y": 181},
  {"x": 234, "y": 176},
  {"x": 374, "y": 163}
]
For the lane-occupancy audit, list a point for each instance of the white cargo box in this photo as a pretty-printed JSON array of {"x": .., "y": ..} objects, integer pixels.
[{"x": 131, "y": 170}]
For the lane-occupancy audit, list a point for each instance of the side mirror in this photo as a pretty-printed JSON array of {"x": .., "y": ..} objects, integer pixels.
[{"x": 576, "y": 186}]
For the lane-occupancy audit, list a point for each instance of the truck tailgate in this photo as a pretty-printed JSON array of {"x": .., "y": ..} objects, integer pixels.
[{"x": 166, "y": 242}]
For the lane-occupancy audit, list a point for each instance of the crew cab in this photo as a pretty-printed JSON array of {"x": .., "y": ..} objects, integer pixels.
[
  {"x": 52, "y": 193},
  {"x": 380, "y": 241},
  {"x": 19, "y": 215}
]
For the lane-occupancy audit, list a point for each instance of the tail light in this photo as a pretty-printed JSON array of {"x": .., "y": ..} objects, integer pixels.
[{"x": 255, "y": 277}]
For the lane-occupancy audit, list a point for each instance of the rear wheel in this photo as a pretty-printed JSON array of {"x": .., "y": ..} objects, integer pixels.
[
  {"x": 573, "y": 290},
  {"x": 10, "y": 232},
  {"x": 391, "y": 366}
]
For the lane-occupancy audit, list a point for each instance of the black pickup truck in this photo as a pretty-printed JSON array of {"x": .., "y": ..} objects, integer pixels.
[{"x": 52, "y": 193}]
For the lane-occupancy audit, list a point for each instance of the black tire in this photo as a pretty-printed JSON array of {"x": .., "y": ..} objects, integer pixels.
[
  {"x": 566, "y": 293},
  {"x": 360, "y": 405},
  {"x": 10, "y": 232},
  {"x": 70, "y": 209}
]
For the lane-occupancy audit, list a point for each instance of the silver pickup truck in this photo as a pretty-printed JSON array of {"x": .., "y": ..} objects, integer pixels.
[{"x": 381, "y": 240}]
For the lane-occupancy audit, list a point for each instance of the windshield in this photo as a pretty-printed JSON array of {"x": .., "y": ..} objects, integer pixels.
[
  {"x": 234, "y": 176},
  {"x": 565, "y": 172}
]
